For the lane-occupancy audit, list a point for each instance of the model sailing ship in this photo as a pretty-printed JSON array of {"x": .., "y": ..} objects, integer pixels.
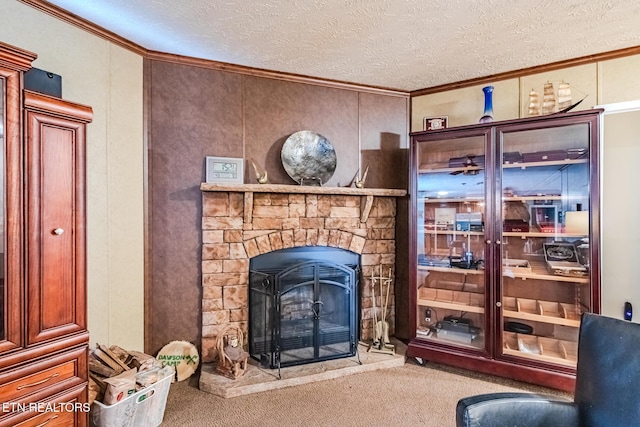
[
  {"x": 550, "y": 104},
  {"x": 564, "y": 96},
  {"x": 534, "y": 103},
  {"x": 548, "y": 99}
]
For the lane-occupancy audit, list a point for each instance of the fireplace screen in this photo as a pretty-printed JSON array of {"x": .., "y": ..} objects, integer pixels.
[{"x": 303, "y": 305}]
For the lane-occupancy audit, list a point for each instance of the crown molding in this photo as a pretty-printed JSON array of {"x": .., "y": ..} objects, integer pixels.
[
  {"x": 589, "y": 59},
  {"x": 16, "y": 58}
]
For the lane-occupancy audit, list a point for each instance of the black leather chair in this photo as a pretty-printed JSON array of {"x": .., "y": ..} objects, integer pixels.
[{"x": 607, "y": 389}]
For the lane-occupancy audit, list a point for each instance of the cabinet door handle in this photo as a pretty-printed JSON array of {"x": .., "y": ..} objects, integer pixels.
[
  {"x": 498, "y": 242},
  {"x": 38, "y": 382},
  {"x": 48, "y": 421},
  {"x": 488, "y": 242},
  {"x": 57, "y": 231},
  {"x": 498, "y": 304}
]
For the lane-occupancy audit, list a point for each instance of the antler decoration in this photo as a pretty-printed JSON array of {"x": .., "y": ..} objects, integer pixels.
[
  {"x": 262, "y": 178},
  {"x": 360, "y": 181}
]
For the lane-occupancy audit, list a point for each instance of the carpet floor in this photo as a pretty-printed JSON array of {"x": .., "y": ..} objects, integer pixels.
[{"x": 411, "y": 395}]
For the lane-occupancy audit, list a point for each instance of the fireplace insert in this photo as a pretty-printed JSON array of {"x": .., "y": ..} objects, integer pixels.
[{"x": 303, "y": 305}]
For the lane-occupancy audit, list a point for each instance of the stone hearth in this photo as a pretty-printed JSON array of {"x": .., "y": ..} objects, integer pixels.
[
  {"x": 242, "y": 221},
  {"x": 257, "y": 379}
]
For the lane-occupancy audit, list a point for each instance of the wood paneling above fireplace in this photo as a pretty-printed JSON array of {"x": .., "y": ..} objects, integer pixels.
[{"x": 193, "y": 112}]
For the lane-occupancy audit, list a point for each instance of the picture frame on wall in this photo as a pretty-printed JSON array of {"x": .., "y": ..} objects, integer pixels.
[
  {"x": 436, "y": 123},
  {"x": 224, "y": 170}
]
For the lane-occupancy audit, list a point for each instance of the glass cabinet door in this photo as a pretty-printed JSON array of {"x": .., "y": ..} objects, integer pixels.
[
  {"x": 544, "y": 245},
  {"x": 450, "y": 226}
]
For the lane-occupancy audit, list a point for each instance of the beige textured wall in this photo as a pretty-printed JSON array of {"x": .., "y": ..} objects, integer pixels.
[
  {"x": 109, "y": 79},
  {"x": 621, "y": 235},
  {"x": 603, "y": 83},
  {"x": 465, "y": 106},
  {"x": 510, "y": 97}
]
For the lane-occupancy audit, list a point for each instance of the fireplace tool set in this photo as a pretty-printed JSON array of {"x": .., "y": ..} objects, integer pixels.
[{"x": 381, "y": 342}]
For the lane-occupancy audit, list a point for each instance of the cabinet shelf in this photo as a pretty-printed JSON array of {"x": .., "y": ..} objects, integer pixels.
[
  {"x": 463, "y": 271},
  {"x": 556, "y": 359},
  {"x": 450, "y": 306},
  {"x": 541, "y": 311},
  {"x": 539, "y": 272},
  {"x": 520, "y": 234},
  {"x": 444, "y": 169},
  {"x": 531, "y": 198},
  {"x": 453, "y": 232},
  {"x": 541, "y": 318},
  {"x": 560, "y": 163},
  {"x": 435, "y": 168},
  {"x": 451, "y": 200},
  {"x": 451, "y": 299},
  {"x": 543, "y": 358},
  {"x": 527, "y": 234},
  {"x": 545, "y": 349},
  {"x": 470, "y": 199}
]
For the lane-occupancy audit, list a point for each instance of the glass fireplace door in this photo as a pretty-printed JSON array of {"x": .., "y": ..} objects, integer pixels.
[
  {"x": 303, "y": 306},
  {"x": 297, "y": 315}
]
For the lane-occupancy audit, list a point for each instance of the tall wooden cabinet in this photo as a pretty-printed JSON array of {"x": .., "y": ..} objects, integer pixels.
[
  {"x": 43, "y": 338},
  {"x": 505, "y": 245}
]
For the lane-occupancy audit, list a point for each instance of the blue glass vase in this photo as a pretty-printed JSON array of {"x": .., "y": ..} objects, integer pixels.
[{"x": 488, "y": 105}]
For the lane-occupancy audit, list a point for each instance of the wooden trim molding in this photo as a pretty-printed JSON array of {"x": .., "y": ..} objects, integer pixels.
[
  {"x": 301, "y": 189},
  {"x": 54, "y": 106},
  {"x": 14, "y": 58},
  {"x": 589, "y": 59}
]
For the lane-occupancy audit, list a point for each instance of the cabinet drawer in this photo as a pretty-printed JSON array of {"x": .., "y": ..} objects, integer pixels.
[
  {"x": 65, "y": 409},
  {"x": 50, "y": 419},
  {"x": 39, "y": 380}
]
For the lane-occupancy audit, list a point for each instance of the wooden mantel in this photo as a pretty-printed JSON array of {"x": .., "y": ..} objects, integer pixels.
[
  {"x": 248, "y": 189},
  {"x": 301, "y": 189}
]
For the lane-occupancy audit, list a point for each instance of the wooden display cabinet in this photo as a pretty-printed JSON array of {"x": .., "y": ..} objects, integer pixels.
[
  {"x": 43, "y": 315},
  {"x": 505, "y": 245}
]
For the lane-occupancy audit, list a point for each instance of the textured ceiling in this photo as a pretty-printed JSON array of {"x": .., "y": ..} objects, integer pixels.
[{"x": 400, "y": 44}]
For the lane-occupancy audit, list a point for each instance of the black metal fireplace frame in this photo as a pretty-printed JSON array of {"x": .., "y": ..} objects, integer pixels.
[{"x": 265, "y": 298}]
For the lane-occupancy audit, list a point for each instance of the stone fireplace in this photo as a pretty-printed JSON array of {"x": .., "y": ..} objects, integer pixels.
[{"x": 241, "y": 222}]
